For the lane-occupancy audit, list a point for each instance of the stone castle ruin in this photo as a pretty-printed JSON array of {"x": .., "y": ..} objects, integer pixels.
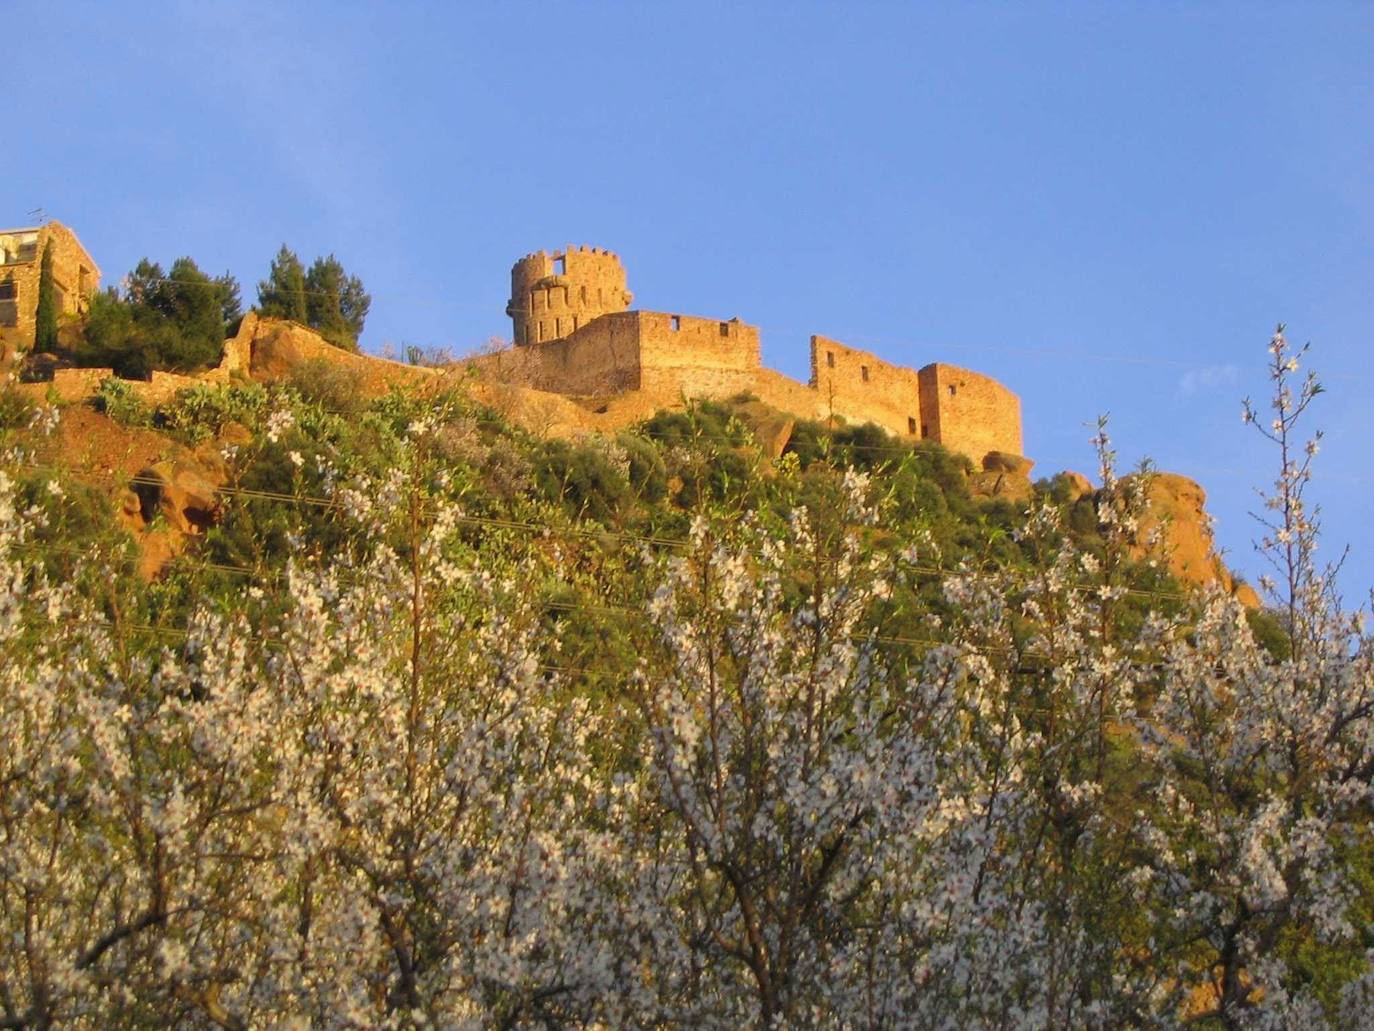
[
  {"x": 582, "y": 362},
  {"x": 574, "y": 334}
]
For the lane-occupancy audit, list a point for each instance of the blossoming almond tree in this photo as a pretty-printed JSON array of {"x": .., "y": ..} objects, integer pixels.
[
  {"x": 373, "y": 813},
  {"x": 1262, "y": 774},
  {"x": 358, "y": 796},
  {"x": 824, "y": 818}
]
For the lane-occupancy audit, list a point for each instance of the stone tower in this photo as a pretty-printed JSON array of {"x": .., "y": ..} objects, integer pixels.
[{"x": 554, "y": 295}]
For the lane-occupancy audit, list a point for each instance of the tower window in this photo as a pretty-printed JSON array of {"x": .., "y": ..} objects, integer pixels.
[
  {"x": 7, "y": 292},
  {"x": 830, "y": 359},
  {"x": 911, "y": 425},
  {"x": 584, "y": 295},
  {"x": 951, "y": 390},
  {"x": 560, "y": 265},
  {"x": 725, "y": 329},
  {"x": 863, "y": 371},
  {"x": 675, "y": 322}
]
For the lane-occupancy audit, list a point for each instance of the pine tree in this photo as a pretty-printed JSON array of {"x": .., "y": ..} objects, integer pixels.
[
  {"x": 163, "y": 321},
  {"x": 45, "y": 335},
  {"x": 336, "y": 303},
  {"x": 282, "y": 294},
  {"x": 230, "y": 301},
  {"x": 191, "y": 302}
]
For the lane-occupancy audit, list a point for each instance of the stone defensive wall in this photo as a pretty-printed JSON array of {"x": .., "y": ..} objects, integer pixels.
[
  {"x": 682, "y": 355},
  {"x": 602, "y": 357},
  {"x": 574, "y": 335},
  {"x": 969, "y": 412},
  {"x": 962, "y": 410},
  {"x": 660, "y": 353},
  {"x": 862, "y": 387}
]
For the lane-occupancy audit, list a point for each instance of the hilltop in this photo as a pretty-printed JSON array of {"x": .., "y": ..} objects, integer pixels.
[{"x": 99, "y": 440}]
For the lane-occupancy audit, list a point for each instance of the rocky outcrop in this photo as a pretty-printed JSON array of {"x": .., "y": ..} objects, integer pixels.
[
  {"x": 1176, "y": 509},
  {"x": 1076, "y": 484},
  {"x": 771, "y": 428},
  {"x": 1005, "y": 477},
  {"x": 276, "y": 349},
  {"x": 172, "y": 500},
  {"x": 184, "y": 491}
]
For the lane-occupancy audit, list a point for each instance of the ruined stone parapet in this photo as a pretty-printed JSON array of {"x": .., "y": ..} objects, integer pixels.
[{"x": 554, "y": 295}]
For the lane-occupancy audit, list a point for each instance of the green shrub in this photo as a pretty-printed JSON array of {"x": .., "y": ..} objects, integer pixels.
[
  {"x": 173, "y": 321},
  {"x": 1270, "y": 633},
  {"x": 334, "y": 387},
  {"x": 16, "y": 410},
  {"x": 118, "y": 399},
  {"x": 648, "y": 473},
  {"x": 200, "y": 411},
  {"x": 704, "y": 421},
  {"x": 583, "y": 478}
]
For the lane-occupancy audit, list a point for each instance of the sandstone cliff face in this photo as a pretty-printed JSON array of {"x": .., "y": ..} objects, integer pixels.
[
  {"x": 170, "y": 501},
  {"x": 275, "y": 348},
  {"x": 1177, "y": 508}
]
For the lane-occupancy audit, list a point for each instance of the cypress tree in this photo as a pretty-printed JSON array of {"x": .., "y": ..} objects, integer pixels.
[{"x": 45, "y": 334}]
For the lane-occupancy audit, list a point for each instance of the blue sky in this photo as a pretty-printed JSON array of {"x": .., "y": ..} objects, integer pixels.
[{"x": 1106, "y": 207}]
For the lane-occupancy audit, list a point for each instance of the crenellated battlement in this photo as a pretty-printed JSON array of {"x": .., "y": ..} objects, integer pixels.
[{"x": 553, "y": 295}]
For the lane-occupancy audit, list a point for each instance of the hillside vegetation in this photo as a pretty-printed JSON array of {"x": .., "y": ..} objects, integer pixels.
[{"x": 430, "y": 721}]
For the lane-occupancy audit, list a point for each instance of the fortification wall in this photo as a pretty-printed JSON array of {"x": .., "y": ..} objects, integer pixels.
[
  {"x": 554, "y": 295},
  {"x": 861, "y": 387},
  {"x": 786, "y": 394},
  {"x": 969, "y": 412},
  {"x": 696, "y": 357},
  {"x": 600, "y": 358},
  {"x": 75, "y": 277}
]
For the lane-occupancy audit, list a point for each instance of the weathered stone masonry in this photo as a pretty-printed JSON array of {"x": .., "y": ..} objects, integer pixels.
[
  {"x": 575, "y": 336},
  {"x": 75, "y": 278}
]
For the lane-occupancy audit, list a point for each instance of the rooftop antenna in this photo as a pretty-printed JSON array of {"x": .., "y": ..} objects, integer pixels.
[{"x": 38, "y": 215}]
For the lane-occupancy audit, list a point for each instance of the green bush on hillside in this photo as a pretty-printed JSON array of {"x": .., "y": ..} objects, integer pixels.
[
  {"x": 172, "y": 322},
  {"x": 202, "y": 410},
  {"x": 117, "y": 399}
]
